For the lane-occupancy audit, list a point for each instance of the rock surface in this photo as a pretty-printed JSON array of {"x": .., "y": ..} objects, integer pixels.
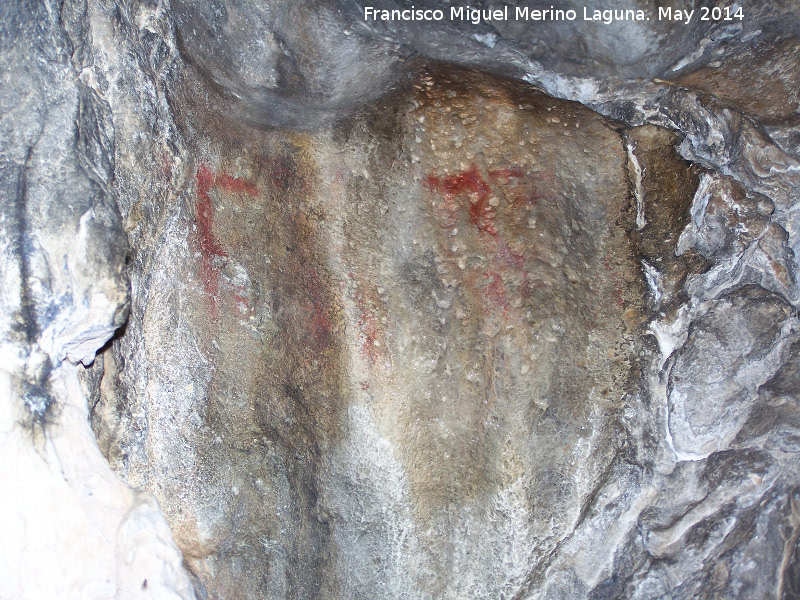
[
  {"x": 402, "y": 310},
  {"x": 71, "y": 527}
]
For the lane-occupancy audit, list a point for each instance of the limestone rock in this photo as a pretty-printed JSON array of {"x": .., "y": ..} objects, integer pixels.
[
  {"x": 402, "y": 310},
  {"x": 71, "y": 527}
]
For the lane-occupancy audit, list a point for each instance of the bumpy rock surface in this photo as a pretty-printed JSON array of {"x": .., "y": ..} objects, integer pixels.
[{"x": 429, "y": 310}]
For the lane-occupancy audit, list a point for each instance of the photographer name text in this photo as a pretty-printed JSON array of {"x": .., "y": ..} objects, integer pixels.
[{"x": 524, "y": 13}]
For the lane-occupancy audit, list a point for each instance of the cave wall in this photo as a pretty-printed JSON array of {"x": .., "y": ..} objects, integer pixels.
[{"x": 300, "y": 305}]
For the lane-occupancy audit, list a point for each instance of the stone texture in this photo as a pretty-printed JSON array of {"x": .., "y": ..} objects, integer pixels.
[
  {"x": 402, "y": 310},
  {"x": 738, "y": 82},
  {"x": 71, "y": 527}
]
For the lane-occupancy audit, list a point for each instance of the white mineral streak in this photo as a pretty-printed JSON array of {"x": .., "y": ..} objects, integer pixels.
[
  {"x": 638, "y": 187},
  {"x": 693, "y": 56},
  {"x": 671, "y": 333},
  {"x": 700, "y": 202},
  {"x": 654, "y": 280},
  {"x": 676, "y": 419},
  {"x": 71, "y": 528}
]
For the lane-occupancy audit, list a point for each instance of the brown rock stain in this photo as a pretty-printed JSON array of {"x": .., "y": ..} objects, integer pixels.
[
  {"x": 510, "y": 293},
  {"x": 272, "y": 407}
]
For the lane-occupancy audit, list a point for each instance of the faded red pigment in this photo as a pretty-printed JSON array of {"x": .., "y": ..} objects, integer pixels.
[
  {"x": 368, "y": 327},
  {"x": 482, "y": 216},
  {"x": 471, "y": 182},
  {"x": 481, "y": 213},
  {"x": 210, "y": 246}
]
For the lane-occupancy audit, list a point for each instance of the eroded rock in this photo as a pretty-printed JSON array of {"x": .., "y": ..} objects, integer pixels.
[
  {"x": 71, "y": 527},
  {"x": 445, "y": 334}
]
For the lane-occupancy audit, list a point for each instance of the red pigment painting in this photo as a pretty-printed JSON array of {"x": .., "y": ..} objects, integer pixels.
[
  {"x": 209, "y": 245},
  {"x": 506, "y": 264},
  {"x": 481, "y": 213}
]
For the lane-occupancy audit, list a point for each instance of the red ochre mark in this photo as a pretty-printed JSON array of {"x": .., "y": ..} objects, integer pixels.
[
  {"x": 472, "y": 183},
  {"x": 236, "y": 185},
  {"x": 496, "y": 290},
  {"x": 482, "y": 215},
  {"x": 210, "y": 247},
  {"x": 512, "y": 264},
  {"x": 242, "y": 301}
]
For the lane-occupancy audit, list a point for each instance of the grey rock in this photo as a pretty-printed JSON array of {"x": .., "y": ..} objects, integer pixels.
[
  {"x": 71, "y": 526},
  {"x": 423, "y": 310},
  {"x": 730, "y": 350}
]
